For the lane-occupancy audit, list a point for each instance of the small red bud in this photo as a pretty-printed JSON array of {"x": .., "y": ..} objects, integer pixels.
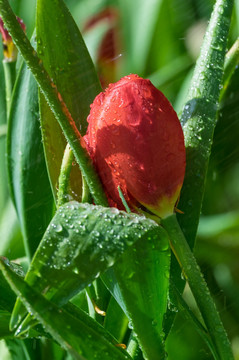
[
  {"x": 109, "y": 46},
  {"x": 136, "y": 142},
  {"x": 9, "y": 49}
]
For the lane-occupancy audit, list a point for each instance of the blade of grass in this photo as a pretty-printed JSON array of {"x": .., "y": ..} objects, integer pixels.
[{"x": 199, "y": 115}]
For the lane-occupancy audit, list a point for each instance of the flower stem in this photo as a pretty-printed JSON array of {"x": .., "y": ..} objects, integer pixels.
[
  {"x": 198, "y": 287},
  {"x": 55, "y": 101},
  {"x": 9, "y": 74},
  {"x": 65, "y": 176}
]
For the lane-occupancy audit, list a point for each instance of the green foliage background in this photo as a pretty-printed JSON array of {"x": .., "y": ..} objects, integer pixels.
[{"x": 160, "y": 40}]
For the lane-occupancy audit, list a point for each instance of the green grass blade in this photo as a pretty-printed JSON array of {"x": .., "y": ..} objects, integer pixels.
[
  {"x": 3, "y": 121},
  {"x": 28, "y": 176},
  {"x": 199, "y": 115}
]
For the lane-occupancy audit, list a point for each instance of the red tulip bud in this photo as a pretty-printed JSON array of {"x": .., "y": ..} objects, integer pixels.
[
  {"x": 9, "y": 49},
  {"x": 136, "y": 142}
]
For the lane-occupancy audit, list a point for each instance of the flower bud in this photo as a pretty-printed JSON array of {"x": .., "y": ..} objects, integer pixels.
[
  {"x": 107, "y": 55},
  {"x": 136, "y": 142},
  {"x": 9, "y": 49}
]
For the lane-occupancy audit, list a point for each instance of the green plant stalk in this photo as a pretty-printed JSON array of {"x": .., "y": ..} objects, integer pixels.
[
  {"x": 9, "y": 74},
  {"x": 86, "y": 195},
  {"x": 64, "y": 177},
  {"x": 231, "y": 61},
  {"x": 198, "y": 287},
  {"x": 199, "y": 116},
  {"x": 55, "y": 101}
]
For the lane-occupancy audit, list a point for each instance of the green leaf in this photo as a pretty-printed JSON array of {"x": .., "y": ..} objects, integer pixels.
[
  {"x": 56, "y": 102},
  {"x": 187, "y": 313},
  {"x": 81, "y": 242},
  {"x": 138, "y": 25},
  {"x": 80, "y": 335},
  {"x": 199, "y": 119},
  {"x": 3, "y": 121},
  {"x": 8, "y": 297},
  {"x": 5, "y": 317},
  {"x": 69, "y": 65},
  {"x": 199, "y": 115},
  {"x": 29, "y": 182},
  {"x": 116, "y": 322},
  {"x": 11, "y": 244},
  {"x": 28, "y": 349},
  {"x": 140, "y": 280},
  {"x": 7, "y": 300}
]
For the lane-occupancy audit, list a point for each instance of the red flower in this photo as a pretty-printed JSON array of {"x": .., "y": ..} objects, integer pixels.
[
  {"x": 9, "y": 49},
  {"x": 108, "y": 47},
  {"x": 136, "y": 142}
]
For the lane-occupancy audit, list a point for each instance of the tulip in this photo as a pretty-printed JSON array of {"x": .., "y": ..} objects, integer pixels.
[{"x": 136, "y": 143}]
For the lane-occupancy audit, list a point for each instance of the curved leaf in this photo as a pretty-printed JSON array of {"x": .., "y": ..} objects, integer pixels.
[
  {"x": 199, "y": 115},
  {"x": 199, "y": 119},
  {"x": 81, "y": 242},
  {"x": 67, "y": 61}
]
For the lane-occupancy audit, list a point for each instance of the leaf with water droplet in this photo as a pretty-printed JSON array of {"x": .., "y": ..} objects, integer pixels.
[
  {"x": 70, "y": 257},
  {"x": 139, "y": 281}
]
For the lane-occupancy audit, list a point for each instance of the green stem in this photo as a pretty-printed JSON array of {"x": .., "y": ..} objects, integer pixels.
[
  {"x": 198, "y": 287},
  {"x": 231, "y": 61},
  {"x": 86, "y": 196},
  {"x": 9, "y": 74},
  {"x": 65, "y": 176},
  {"x": 56, "y": 102}
]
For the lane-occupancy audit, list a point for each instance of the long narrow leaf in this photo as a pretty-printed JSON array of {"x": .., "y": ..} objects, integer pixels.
[
  {"x": 72, "y": 332},
  {"x": 139, "y": 21},
  {"x": 199, "y": 115},
  {"x": 29, "y": 181},
  {"x": 142, "y": 287},
  {"x": 73, "y": 72}
]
